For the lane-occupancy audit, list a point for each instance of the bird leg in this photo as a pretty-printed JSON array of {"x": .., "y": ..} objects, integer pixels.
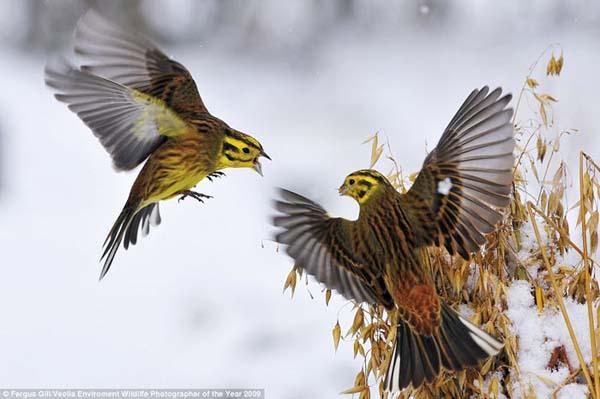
[
  {"x": 215, "y": 175},
  {"x": 189, "y": 193}
]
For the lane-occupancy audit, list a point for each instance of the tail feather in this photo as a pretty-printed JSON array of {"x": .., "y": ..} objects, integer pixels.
[
  {"x": 456, "y": 347},
  {"x": 468, "y": 343},
  {"x": 141, "y": 221},
  {"x": 114, "y": 238},
  {"x": 431, "y": 357},
  {"x": 405, "y": 362},
  {"x": 126, "y": 229},
  {"x": 418, "y": 358},
  {"x": 451, "y": 357}
]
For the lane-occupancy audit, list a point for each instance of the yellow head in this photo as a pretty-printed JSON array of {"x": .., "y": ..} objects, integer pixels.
[
  {"x": 364, "y": 185},
  {"x": 240, "y": 150}
]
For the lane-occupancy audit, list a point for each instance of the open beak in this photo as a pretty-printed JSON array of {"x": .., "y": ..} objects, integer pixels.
[
  {"x": 342, "y": 190},
  {"x": 257, "y": 166}
]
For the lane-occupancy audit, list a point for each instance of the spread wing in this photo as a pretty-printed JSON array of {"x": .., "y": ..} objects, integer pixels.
[
  {"x": 321, "y": 246},
  {"x": 469, "y": 174},
  {"x": 130, "y": 124},
  {"x": 133, "y": 61}
]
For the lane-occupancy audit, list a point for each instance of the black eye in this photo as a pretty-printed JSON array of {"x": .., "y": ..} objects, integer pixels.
[
  {"x": 351, "y": 181},
  {"x": 246, "y": 150}
]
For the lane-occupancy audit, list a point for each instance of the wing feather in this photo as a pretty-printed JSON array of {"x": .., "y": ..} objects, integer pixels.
[
  {"x": 132, "y": 60},
  {"x": 466, "y": 176},
  {"x": 319, "y": 245},
  {"x": 128, "y": 123}
]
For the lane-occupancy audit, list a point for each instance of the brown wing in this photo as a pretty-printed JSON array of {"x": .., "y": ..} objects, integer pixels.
[
  {"x": 322, "y": 246},
  {"x": 129, "y": 124},
  {"x": 465, "y": 177},
  {"x": 134, "y": 61}
]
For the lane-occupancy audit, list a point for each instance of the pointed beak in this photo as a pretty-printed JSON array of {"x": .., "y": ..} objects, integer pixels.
[
  {"x": 264, "y": 154},
  {"x": 342, "y": 190},
  {"x": 258, "y": 167}
]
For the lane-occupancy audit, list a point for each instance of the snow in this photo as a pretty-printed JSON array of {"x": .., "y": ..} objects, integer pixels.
[
  {"x": 444, "y": 186},
  {"x": 572, "y": 391},
  {"x": 198, "y": 302},
  {"x": 539, "y": 335}
]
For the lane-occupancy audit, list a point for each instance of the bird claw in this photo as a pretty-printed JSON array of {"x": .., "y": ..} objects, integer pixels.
[
  {"x": 195, "y": 195},
  {"x": 215, "y": 175}
]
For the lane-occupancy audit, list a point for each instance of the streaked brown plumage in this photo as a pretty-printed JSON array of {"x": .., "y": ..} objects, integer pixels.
[
  {"x": 143, "y": 105},
  {"x": 375, "y": 259}
]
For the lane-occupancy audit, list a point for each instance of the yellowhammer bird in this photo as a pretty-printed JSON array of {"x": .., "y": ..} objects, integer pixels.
[
  {"x": 375, "y": 259},
  {"x": 143, "y": 105}
]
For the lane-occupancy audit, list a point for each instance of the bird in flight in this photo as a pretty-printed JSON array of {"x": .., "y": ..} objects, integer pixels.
[
  {"x": 453, "y": 202},
  {"x": 145, "y": 106}
]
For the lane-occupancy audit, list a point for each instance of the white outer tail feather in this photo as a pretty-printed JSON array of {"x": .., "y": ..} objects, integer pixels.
[
  {"x": 489, "y": 344},
  {"x": 486, "y": 342},
  {"x": 394, "y": 376}
]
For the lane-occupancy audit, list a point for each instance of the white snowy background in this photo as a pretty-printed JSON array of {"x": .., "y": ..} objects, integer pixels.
[{"x": 198, "y": 303}]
